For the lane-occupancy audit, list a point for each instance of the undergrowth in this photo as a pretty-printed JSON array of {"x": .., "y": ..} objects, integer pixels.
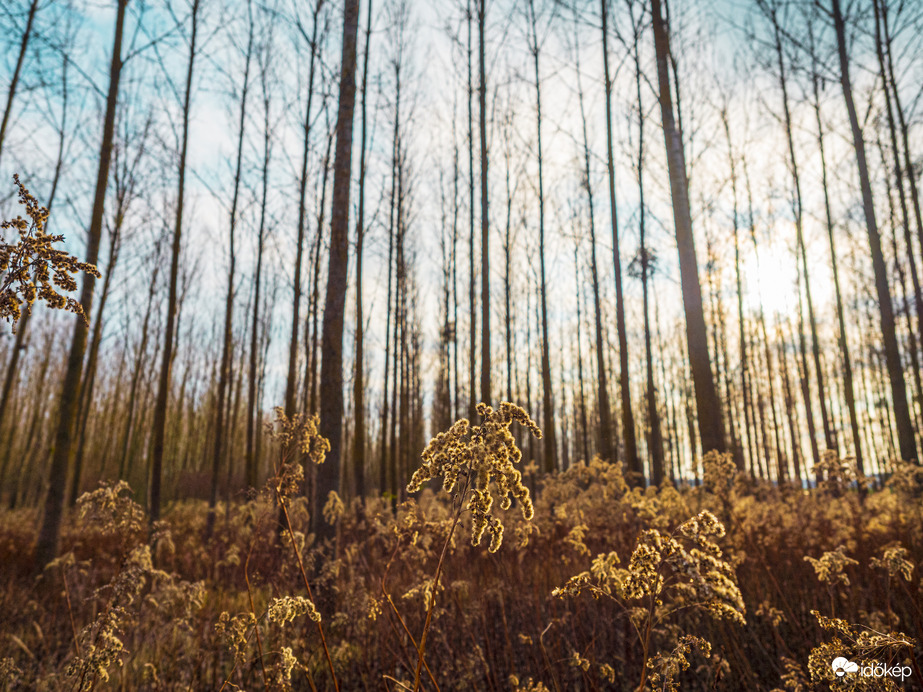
[{"x": 732, "y": 585}]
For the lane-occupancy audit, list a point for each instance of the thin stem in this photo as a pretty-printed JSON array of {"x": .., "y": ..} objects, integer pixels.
[{"x": 432, "y": 602}]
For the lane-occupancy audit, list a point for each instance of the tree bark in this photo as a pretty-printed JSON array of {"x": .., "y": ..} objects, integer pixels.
[
  {"x": 708, "y": 406},
  {"x": 331, "y": 374}
]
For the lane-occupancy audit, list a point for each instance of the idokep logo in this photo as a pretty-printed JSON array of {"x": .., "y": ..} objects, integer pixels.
[{"x": 841, "y": 666}]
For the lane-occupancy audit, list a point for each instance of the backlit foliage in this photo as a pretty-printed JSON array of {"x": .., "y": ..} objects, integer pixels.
[
  {"x": 481, "y": 455},
  {"x": 31, "y": 267},
  {"x": 726, "y": 599}
]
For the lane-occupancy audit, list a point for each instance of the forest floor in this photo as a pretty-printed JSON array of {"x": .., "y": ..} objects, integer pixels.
[{"x": 773, "y": 583}]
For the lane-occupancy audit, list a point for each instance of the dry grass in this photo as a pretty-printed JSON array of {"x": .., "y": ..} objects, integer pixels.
[{"x": 757, "y": 593}]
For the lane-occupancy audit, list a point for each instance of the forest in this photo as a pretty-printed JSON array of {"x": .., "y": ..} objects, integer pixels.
[{"x": 257, "y": 431}]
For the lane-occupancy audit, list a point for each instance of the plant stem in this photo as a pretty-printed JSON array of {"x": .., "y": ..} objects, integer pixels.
[{"x": 432, "y": 600}]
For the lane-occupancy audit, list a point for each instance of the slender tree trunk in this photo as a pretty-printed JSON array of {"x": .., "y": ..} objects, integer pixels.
[
  {"x": 472, "y": 331},
  {"x": 163, "y": 388},
  {"x": 359, "y": 370},
  {"x": 89, "y": 380},
  {"x": 331, "y": 374},
  {"x": 905, "y": 436},
  {"x": 485, "y": 240},
  {"x": 311, "y": 380},
  {"x": 842, "y": 338},
  {"x": 829, "y": 438},
  {"x": 632, "y": 461},
  {"x": 905, "y": 129},
  {"x": 580, "y": 426},
  {"x": 602, "y": 396},
  {"x": 225, "y": 374},
  {"x": 137, "y": 372},
  {"x": 789, "y": 405},
  {"x": 905, "y": 217},
  {"x": 251, "y": 460},
  {"x": 14, "y": 80},
  {"x": 47, "y": 545},
  {"x": 741, "y": 323},
  {"x": 290, "y": 382},
  {"x": 383, "y": 480},
  {"x": 708, "y": 405},
  {"x": 548, "y": 427}
]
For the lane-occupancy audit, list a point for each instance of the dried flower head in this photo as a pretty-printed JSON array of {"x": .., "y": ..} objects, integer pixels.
[
  {"x": 32, "y": 267},
  {"x": 299, "y": 433},
  {"x": 287, "y": 608},
  {"x": 481, "y": 455},
  {"x": 894, "y": 561},
  {"x": 829, "y": 568}
]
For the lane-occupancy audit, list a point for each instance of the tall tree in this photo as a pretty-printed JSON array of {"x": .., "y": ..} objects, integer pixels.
[
  {"x": 47, "y": 545},
  {"x": 302, "y": 215},
  {"x": 359, "y": 369},
  {"x": 644, "y": 268},
  {"x": 485, "y": 240},
  {"x": 708, "y": 405},
  {"x": 602, "y": 382},
  {"x": 905, "y": 436},
  {"x": 251, "y": 455},
  {"x": 632, "y": 461},
  {"x": 548, "y": 460},
  {"x": 166, "y": 364},
  {"x": 224, "y": 373},
  {"x": 331, "y": 374}
]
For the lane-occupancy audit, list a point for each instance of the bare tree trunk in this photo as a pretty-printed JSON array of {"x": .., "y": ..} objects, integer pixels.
[
  {"x": 789, "y": 405},
  {"x": 905, "y": 130},
  {"x": 25, "y": 467},
  {"x": 548, "y": 427},
  {"x": 47, "y": 545},
  {"x": 829, "y": 438},
  {"x": 14, "y": 80},
  {"x": 632, "y": 462},
  {"x": 842, "y": 339},
  {"x": 89, "y": 379},
  {"x": 311, "y": 379},
  {"x": 331, "y": 374},
  {"x": 905, "y": 436},
  {"x": 905, "y": 217},
  {"x": 602, "y": 396},
  {"x": 708, "y": 405},
  {"x": 290, "y": 382},
  {"x": 580, "y": 426},
  {"x": 224, "y": 375},
  {"x": 359, "y": 371},
  {"x": 137, "y": 370},
  {"x": 741, "y": 324},
  {"x": 251, "y": 460},
  {"x": 472, "y": 331},
  {"x": 163, "y": 389},
  {"x": 485, "y": 240}
]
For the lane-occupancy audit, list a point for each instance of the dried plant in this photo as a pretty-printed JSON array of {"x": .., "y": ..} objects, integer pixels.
[
  {"x": 469, "y": 459},
  {"x": 32, "y": 268},
  {"x": 667, "y": 572}
]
